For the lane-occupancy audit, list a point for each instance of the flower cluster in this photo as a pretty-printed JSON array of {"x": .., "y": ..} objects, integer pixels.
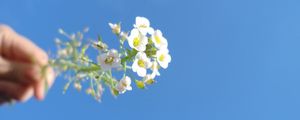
[{"x": 146, "y": 52}]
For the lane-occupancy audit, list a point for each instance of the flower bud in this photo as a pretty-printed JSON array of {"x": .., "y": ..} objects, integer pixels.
[
  {"x": 77, "y": 86},
  {"x": 116, "y": 28},
  {"x": 140, "y": 84},
  {"x": 61, "y": 31}
]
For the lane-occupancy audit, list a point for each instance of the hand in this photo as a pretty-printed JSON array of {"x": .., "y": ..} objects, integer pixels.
[{"x": 21, "y": 66}]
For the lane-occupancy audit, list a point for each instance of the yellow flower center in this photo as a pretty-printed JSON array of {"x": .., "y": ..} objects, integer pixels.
[
  {"x": 141, "y": 63},
  {"x": 109, "y": 60},
  {"x": 162, "y": 57},
  {"x": 124, "y": 84},
  {"x": 143, "y": 26},
  {"x": 136, "y": 41},
  {"x": 157, "y": 39}
]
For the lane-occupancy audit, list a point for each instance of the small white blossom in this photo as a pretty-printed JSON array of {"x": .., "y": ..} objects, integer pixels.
[
  {"x": 137, "y": 40},
  {"x": 159, "y": 40},
  {"x": 77, "y": 86},
  {"x": 148, "y": 77},
  {"x": 155, "y": 71},
  {"x": 143, "y": 25},
  {"x": 57, "y": 41},
  {"x": 163, "y": 57},
  {"x": 109, "y": 60},
  {"x": 116, "y": 28},
  {"x": 62, "y": 53},
  {"x": 124, "y": 84},
  {"x": 141, "y": 63},
  {"x": 99, "y": 45}
]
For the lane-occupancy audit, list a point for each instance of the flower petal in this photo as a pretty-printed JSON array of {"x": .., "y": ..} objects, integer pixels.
[
  {"x": 142, "y": 72},
  {"x": 142, "y": 21}
]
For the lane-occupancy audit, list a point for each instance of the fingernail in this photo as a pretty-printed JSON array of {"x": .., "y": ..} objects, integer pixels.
[{"x": 39, "y": 90}]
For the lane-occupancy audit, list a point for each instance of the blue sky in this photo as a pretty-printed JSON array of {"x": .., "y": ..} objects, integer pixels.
[{"x": 231, "y": 59}]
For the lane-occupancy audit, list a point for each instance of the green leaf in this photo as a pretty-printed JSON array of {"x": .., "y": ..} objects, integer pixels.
[
  {"x": 150, "y": 50},
  {"x": 99, "y": 38},
  {"x": 114, "y": 91},
  {"x": 130, "y": 54}
]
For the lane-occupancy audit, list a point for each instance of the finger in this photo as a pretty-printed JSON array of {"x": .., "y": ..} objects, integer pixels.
[
  {"x": 24, "y": 73},
  {"x": 41, "y": 87},
  {"x": 28, "y": 93},
  {"x": 5, "y": 67},
  {"x": 15, "y": 91},
  {"x": 19, "y": 72},
  {"x": 39, "y": 90},
  {"x": 4, "y": 99},
  {"x": 50, "y": 76},
  {"x": 28, "y": 74},
  {"x": 16, "y": 47}
]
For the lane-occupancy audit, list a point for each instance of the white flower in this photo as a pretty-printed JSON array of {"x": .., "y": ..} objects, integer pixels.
[
  {"x": 137, "y": 40},
  {"x": 149, "y": 78},
  {"x": 159, "y": 40},
  {"x": 116, "y": 28},
  {"x": 77, "y": 86},
  {"x": 64, "y": 52},
  {"x": 155, "y": 71},
  {"x": 109, "y": 60},
  {"x": 140, "y": 64},
  {"x": 124, "y": 84},
  {"x": 143, "y": 25},
  {"x": 163, "y": 57}
]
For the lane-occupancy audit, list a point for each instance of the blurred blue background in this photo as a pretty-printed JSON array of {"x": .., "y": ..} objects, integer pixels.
[{"x": 231, "y": 59}]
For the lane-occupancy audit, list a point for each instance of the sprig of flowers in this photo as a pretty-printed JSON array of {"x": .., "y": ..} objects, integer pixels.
[{"x": 147, "y": 50}]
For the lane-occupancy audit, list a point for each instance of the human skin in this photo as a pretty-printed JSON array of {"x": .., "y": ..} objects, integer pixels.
[{"x": 21, "y": 63}]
